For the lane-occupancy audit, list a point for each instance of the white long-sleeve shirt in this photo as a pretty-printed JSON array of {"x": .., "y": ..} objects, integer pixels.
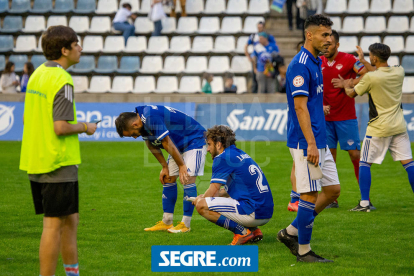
[{"x": 6, "y": 82}]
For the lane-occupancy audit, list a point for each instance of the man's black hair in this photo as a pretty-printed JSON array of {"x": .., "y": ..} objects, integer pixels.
[
  {"x": 317, "y": 20},
  {"x": 122, "y": 122},
  {"x": 380, "y": 50},
  {"x": 335, "y": 35}
]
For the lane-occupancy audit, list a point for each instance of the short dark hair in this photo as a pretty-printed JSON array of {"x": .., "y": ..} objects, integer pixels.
[
  {"x": 221, "y": 133},
  {"x": 30, "y": 68},
  {"x": 317, "y": 20},
  {"x": 380, "y": 50},
  {"x": 335, "y": 35},
  {"x": 127, "y": 5},
  {"x": 8, "y": 67},
  {"x": 206, "y": 76},
  {"x": 260, "y": 22},
  {"x": 122, "y": 122},
  {"x": 55, "y": 38}
]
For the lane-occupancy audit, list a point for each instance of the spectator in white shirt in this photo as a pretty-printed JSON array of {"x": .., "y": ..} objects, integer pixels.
[
  {"x": 8, "y": 79},
  {"x": 156, "y": 15},
  {"x": 120, "y": 22}
]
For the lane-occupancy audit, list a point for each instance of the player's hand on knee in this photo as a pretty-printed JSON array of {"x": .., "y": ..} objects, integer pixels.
[{"x": 164, "y": 175}]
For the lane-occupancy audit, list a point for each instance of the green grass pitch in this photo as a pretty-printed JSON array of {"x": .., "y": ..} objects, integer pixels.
[{"x": 120, "y": 195}]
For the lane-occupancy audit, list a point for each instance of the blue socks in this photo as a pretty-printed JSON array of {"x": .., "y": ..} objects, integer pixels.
[
  {"x": 364, "y": 179},
  {"x": 169, "y": 197},
  {"x": 305, "y": 219},
  {"x": 294, "y": 197},
  {"x": 231, "y": 225},
  {"x": 190, "y": 190},
  {"x": 71, "y": 270},
  {"x": 409, "y": 167}
]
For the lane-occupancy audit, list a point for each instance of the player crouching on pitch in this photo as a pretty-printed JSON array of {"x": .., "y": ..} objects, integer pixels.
[{"x": 246, "y": 201}]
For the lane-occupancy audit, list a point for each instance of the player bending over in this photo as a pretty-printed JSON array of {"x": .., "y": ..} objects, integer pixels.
[
  {"x": 246, "y": 201},
  {"x": 163, "y": 127}
]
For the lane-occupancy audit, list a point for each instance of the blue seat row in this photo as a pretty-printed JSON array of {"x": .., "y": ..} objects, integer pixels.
[
  {"x": 44, "y": 6},
  {"x": 107, "y": 64}
]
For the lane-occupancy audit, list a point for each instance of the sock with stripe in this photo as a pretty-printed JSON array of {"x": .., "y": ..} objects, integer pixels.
[
  {"x": 356, "y": 168},
  {"x": 231, "y": 225},
  {"x": 364, "y": 182},
  {"x": 305, "y": 225},
  {"x": 409, "y": 167},
  {"x": 71, "y": 270},
  {"x": 292, "y": 229},
  {"x": 294, "y": 196},
  {"x": 190, "y": 190},
  {"x": 169, "y": 198}
]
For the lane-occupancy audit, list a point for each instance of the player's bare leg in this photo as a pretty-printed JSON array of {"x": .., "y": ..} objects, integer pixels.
[
  {"x": 333, "y": 152},
  {"x": 294, "y": 201},
  {"x": 50, "y": 245},
  {"x": 69, "y": 247},
  {"x": 328, "y": 195}
]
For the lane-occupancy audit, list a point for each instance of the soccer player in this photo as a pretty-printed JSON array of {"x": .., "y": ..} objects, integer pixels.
[
  {"x": 306, "y": 139},
  {"x": 163, "y": 127},
  {"x": 246, "y": 201},
  {"x": 50, "y": 149},
  {"x": 386, "y": 128}
]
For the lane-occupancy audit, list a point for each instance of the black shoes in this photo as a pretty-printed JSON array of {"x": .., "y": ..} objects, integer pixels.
[
  {"x": 333, "y": 205},
  {"x": 359, "y": 208},
  {"x": 311, "y": 257},
  {"x": 291, "y": 242}
]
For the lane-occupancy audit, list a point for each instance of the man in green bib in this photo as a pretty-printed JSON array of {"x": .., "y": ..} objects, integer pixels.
[{"x": 50, "y": 149}]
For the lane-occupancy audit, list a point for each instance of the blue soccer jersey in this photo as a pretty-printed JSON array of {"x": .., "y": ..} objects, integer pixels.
[
  {"x": 161, "y": 121},
  {"x": 304, "y": 78},
  {"x": 244, "y": 181}
]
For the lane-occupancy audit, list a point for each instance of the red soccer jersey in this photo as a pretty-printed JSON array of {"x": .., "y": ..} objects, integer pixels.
[{"x": 342, "y": 106}]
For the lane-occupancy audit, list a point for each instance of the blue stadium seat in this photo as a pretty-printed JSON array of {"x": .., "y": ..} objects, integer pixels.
[
  {"x": 4, "y": 5},
  {"x": 2, "y": 62},
  {"x": 6, "y": 43},
  {"x": 20, "y": 6},
  {"x": 63, "y": 6},
  {"x": 129, "y": 65},
  {"x": 12, "y": 24},
  {"x": 106, "y": 64},
  {"x": 38, "y": 60},
  {"x": 86, "y": 65},
  {"x": 408, "y": 63},
  {"x": 19, "y": 61},
  {"x": 85, "y": 6},
  {"x": 42, "y": 6}
]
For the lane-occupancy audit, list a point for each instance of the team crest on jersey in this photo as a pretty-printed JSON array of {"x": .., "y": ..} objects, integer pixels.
[
  {"x": 339, "y": 66},
  {"x": 298, "y": 81}
]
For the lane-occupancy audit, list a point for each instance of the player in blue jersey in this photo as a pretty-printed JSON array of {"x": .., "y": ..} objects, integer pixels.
[
  {"x": 163, "y": 127},
  {"x": 245, "y": 202},
  {"x": 306, "y": 139}
]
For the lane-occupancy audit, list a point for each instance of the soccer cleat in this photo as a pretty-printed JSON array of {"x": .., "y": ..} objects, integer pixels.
[
  {"x": 333, "y": 205},
  {"x": 242, "y": 239},
  {"x": 311, "y": 257},
  {"x": 159, "y": 226},
  {"x": 359, "y": 208},
  {"x": 180, "y": 228},
  {"x": 293, "y": 207},
  {"x": 371, "y": 207},
  {"x": 290, "y": 241},
  {"x": 258, "y": 235}
]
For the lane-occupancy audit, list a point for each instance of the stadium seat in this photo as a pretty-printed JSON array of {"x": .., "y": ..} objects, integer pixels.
[
  {"x": 80, "y": 84},
  {"x": 114, "y": 44},
  {"x": 202, "y": 44},
  {"x": 80, "y": 24},
  {"x": 215, "y": 7},
  {"x": 157, "y": 45},
  {"x": 134, "y": 4},
  {"x": 353, "y": 24},
  {"x": 209, "y": 25},
  {"x": 174, "y": 65},
  {"x": 100, "y": 25},
  {"x": 258, "y": 7},
  {"x": 375, "y": 24},
  {"x": 217, "y": 85},
  {"x": 6, "y": 43},
  {"x": 143, "y": 25},
  {"x": 122, "y": 84},
  {"x": 357, "y": 6},
  {"x": 240, "y": 82},
  {"x": 398, "y": 24},
  {"x": 151, "y": 65},
  {"x": 194, "y": 7},
  {"x": 396, "y": 43},
  {"x": 408, "y": 63},
  {"x": 168, "y": 25},
  {"x": 12, "y": 24},
  {"x": 231, "y": 25},
  {"x": 100, "y": 84},
  {"x": 241, "y": 64},
  {"x": 37, "y": 60},
  {"x": 34, "y": 24},
  {"x": 129, "y": 65},
  {"x": 196, "y": 65},
  {"x": 107, "y": 65},
  {"x": 63, "y": 6},
  {"x": 20, "y": 6},
  {"x": 337, "y": 26},
  {"x": 145, "y": 7},
  {"x": 366, "y": 41},
  {"x": 166, "y": 85},
  {"x": 409, "y": 44},
  {"x": 180, "y": 44},
  {"x": 190, "y": 85},
  {"x": 25, "y": 43},
  {"x": 241, "y": 42},
  {"x": 144, "y": 84},
  {"x": 224, "y": 44},
  {"x": 4, "y": 6},
  {"x": 348, "y": 43},
  {"x": 107, "y": 7},
  {"x": 56, "y": 20},
  {"x": 250, "y": 24},
  {"x": 86, "y": 65},
  {"x": 39, "y": 45},
  {"x": 380, "y": 6},
  {"x": 236, "y": 7},
  {"x": 19, "y": 61},
  {"x": 2, "y": 62},
  {"x": 42, "y": 6},
  {"x": 335, "y": 6},
  {"x": 393, "y": 60},
  {"x": 85, "y": 6},
  {"x": 92, "y": 44},
  {"x": 412, "y": 25},
  {"x": 408, "y": 85},
  {"x": 187, "y": 25},
  {"x": 403, "y": 6},
  {"x": 218, "y": 65},
  {"x": 136, "y": 44}
]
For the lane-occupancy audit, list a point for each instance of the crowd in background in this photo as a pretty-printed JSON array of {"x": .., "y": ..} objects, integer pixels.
[{"x": 10, "y": 82}]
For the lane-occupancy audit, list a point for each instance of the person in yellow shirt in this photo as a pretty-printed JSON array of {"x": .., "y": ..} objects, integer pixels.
[
  {"x": 50, "y": 151},
  {"x": 386, "y": 128}
]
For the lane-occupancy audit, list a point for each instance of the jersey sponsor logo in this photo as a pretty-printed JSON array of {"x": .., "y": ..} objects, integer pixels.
[
  {"x": 339, "y": 66},
  {"x": 6, "y": 118},
  {"x": 298, "y": 81},
  {"x": 276, "y": 120}
]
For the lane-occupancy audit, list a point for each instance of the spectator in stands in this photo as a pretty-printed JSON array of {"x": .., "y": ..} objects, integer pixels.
[
  {"x": 120, "y": 22},
  {"x": 8, "y": 79},
  {"x": 299, "y": 21},
  {"x": 299, "y": 46},
  {"x": 208, "y": 78},
  {"x": 157, "y": 14},
  {"x": 28, "y": 70},
  {"x": 309, "y": 7},
  {"x": 264, "y": 53},
  {"x": 229, "y": 86},
  {"x": 183, "y": 13},
  {"x": 281, "y": 79}
]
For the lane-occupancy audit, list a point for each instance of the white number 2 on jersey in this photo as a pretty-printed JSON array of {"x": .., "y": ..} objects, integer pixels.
[{"x": 253, "y": 169}]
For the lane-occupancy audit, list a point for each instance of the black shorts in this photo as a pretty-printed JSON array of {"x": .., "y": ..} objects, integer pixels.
[{"x": 55, "y": 199}]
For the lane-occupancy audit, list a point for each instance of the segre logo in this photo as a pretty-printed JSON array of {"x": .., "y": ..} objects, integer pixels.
[{"x": 6, "y": 118}]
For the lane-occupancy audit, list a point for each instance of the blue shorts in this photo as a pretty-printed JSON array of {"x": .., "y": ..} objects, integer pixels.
[{"x": 345, "y": 132}]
